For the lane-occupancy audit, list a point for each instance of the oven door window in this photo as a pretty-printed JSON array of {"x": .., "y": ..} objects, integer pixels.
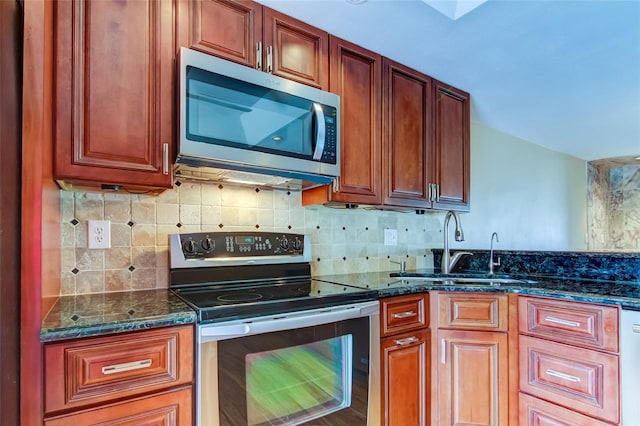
[{"x": 316, "y": 374}]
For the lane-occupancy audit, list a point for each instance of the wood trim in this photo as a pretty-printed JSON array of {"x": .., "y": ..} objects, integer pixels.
[{"x": 40, "y": 263}]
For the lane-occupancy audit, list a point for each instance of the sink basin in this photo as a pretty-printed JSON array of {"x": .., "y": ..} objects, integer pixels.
[{"x": 450, "y": 280}]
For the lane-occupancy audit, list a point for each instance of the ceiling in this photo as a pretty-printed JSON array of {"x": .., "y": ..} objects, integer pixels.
[{"x": 561, "y": 74}]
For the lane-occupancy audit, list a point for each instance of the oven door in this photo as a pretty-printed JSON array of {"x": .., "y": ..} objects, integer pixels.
[{"x": 321, "y": 374}]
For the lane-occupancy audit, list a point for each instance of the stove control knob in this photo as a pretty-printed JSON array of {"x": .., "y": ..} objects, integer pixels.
[
  {"x": 297, "y": 244},
  {"x": 284, "y": 243},
  {"x": 189, "y": 247},
  {"x": 208, "y": 244}
]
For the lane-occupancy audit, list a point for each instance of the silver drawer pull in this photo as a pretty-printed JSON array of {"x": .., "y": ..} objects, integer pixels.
[
  {"x": 564, "y": 376},
  {"x": 636, "y": 328},
  {"x": 406, "y": 341},
  {"x": 562, "y": 321},
  {"x": 126, "y": 366},
  {"x": 405, "y": 314}
]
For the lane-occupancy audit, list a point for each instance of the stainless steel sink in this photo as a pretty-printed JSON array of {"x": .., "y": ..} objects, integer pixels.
[{"x": 446, "y": 280}]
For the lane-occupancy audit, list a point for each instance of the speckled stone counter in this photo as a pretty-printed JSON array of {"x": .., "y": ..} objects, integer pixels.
[
  {"x": 97, "y": 314},
  {"x": 624, "y": 294}
]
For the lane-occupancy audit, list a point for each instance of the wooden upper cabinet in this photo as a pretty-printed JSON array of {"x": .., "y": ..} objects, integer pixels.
[
  {"x": 407, "y": 136},
  {"x": 452, "y": 147},
  {"x": 250, "y": 34},
  {"x": 228, "y": 29},
  {"x": 295, "y": 50},
  {"x": 356, "y": 76},
  {"x": 113, "y": 85}
]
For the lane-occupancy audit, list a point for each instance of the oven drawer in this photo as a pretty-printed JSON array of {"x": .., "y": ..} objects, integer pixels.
[
  {"x": 536, "y": 412},
  {"x": 575, "y": 323},
  {"x": 579, "y": 379},
  {"x": 404, "y": 313},
  {"x": 473, "y": 311},
  {"x": 102, "y": 369}
]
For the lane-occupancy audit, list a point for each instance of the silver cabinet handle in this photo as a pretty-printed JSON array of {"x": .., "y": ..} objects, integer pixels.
[
  {"x": 405, "y": 314},
  {"x": 259, "y": 56},
  {"x": 126, "y": 366},
  {"x": 562, "y": 321},
  {"x": 406, "y": 341},
  {"x": 270, "y": 59},
  {"x": 636, "y": 328},
  {"x": 443, "y": 351},
  {"x": 165, "y": 158},
  {"x": 564, "y": 376}
]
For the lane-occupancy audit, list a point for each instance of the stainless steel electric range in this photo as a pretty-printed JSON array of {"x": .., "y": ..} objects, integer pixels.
[{"x": 275, "y": 346}]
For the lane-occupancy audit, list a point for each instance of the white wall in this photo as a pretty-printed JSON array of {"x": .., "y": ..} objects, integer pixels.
[{"x": 534, "y": 198}]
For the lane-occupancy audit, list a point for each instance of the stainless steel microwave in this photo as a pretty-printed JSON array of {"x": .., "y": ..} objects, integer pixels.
[{"x": 243, "y": 125}]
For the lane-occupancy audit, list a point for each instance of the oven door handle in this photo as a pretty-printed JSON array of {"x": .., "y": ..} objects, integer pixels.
[{"x": 290, "y": 321}]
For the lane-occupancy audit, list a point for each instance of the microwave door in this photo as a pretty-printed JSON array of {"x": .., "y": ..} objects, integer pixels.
[{"x": 248, "y": 117}]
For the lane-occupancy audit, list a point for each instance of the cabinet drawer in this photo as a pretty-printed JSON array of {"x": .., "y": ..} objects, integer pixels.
[
  {"x": 473, "y": 311},
  {"x": 579, "y": 379},
  {"x": 582, "y": 324},
  {"x": 167, "y": 409},
  {"x": 101, "y": 369},
  {"x": 404, "y": 313},
  {"x": 536, "y": 412}
]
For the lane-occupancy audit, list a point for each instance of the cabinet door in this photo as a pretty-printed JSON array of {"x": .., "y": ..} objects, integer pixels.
[
  {"x": 452, "y": 146},
  {"x": 113, "y": 92},
  {"x": 167, "y": 409},
  {"x": 230, "y": 29},
  {"x": 473, "y": 378},
  {"x": 407, "y": 136},
  {"x": 405, "y": 372},
  {"x": 299, "y": 52},
  {"x": 356, "y": 76}
]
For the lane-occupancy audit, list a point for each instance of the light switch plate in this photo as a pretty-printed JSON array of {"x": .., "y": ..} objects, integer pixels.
[
  {"x": 99, "y": 234},
  {"x": 390, "y": 237}
]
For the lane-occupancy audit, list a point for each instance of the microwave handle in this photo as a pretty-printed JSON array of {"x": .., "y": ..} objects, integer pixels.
[{"x": 320, "y": 132}]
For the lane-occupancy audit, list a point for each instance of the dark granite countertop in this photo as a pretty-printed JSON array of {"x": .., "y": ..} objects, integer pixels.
[
  {"x": 621, "y": 293},
  {"x": 97, "y": 314}
]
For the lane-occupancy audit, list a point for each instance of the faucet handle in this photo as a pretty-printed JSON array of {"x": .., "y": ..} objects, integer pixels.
[{"x": 402, "y": 263}]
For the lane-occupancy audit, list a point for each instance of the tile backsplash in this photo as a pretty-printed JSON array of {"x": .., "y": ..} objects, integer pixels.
[{"x": 342, "y": 240}]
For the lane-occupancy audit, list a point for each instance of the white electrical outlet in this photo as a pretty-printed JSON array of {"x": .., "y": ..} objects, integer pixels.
[
  {"x": 99, "y": 234},
  {"x": 390, "y": 237}
]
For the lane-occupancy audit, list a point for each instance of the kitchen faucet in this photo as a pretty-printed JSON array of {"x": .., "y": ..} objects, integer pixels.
[
  {"x": 448, "y": 262},
  {"x": 491, "y": 262}
]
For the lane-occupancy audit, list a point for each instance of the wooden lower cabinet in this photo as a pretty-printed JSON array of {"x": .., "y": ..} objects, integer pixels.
[
  {"x": 137, "y": 378},
  {"x": 473, "y": 378},
  {"x": 167, "y": 409},
  {"x": 405, "y": 372},
  {"x": 536, "y": 412}
]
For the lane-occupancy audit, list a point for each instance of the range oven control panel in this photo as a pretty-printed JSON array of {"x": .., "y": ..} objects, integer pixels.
[{"x": 211, "y": 245}]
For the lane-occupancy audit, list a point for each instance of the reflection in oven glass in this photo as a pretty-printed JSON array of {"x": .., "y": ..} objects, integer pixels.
[{"x": 299, "y": 383}]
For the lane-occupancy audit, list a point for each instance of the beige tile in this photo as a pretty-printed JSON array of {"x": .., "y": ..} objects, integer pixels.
[
  {"x": 265, "y": 219},
  {"x": 169, "y": 196},
  {"x": 162, "y": 258},
  {"x": 67, "y": 259},
  {"x": 67, "y": 235},
  {"x": 238, "y": 197},
  {"x": 189, "y": 193},
  {"x": 120, "y": 235},
  {"x": 163, "y": 232},
  {"x": 190, "y": 214},
  {"x": 67, "y": 283},
  {"x": 211, "y": 215},
  {"x": 117, "y": 280},
  {"x": 117, "y": 258},
  {"x": 90, "y": 260},
  {"x": 143, "y": 257},
  {"x": 234, "y": 216},
  {"x": 210, "y": 195},
  {"x": 143, "y": 279},
  {"x": 117, "y": 209},
  {"x": 90, "y": 282},
  {"x": 143, "y": 235},
  {"x": 162, "y": 278},
  {"x": 67, "y": 206},
  {"x": 143, "y": 213},
  {"x": 167, "y": 214},
  {"x": 89, "y": 206}
]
